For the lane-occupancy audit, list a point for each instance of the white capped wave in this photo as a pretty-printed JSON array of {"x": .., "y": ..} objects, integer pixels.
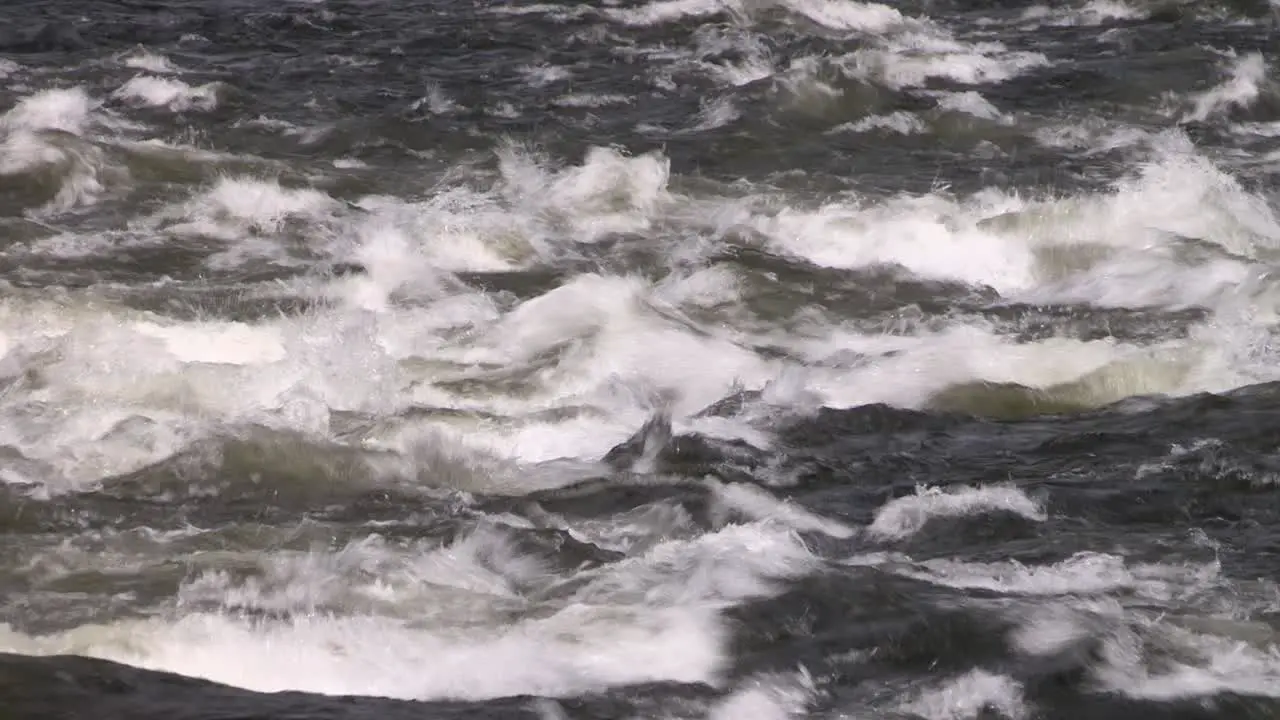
[
  {"x": 422, "y": 622},
  {"x": 1093, "y": 12},
  {"x": 579, "y": 649},
  {"x": 151, "y": 62},
  {"x": 404, "y": 333},
  {"x": 69, "y": 110},
  {"x": 1239, "y": 90},
  {"x": 903, "y": 517},
  {"x": 769, "y": 697},
  {"x": 176, "y": 95},
  {"x": 454, "y": 388},
  {"x": 1160, "y": 658},
  {"x": 968, "y": 696}
]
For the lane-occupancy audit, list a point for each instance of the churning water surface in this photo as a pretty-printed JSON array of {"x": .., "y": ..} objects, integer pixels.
[{"x": 684, "y": 359}]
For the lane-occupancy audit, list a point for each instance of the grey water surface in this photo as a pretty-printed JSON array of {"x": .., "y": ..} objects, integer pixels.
[{"x": 676, "y": 359}]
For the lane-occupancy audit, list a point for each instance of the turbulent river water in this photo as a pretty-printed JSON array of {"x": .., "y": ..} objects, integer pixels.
[{"x": 683, "y": 359}]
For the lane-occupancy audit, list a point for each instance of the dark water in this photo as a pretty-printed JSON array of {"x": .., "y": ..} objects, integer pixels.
[{"x": 689, "y": 359}]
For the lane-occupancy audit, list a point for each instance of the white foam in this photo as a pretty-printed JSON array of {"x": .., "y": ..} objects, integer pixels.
[
  {"x": 716, "y": 114},
  {"x": 235, "y": 206},
  {"x": 1221, "y": 665},
  {"x": 415, "y": 620},
  {"x": 1137, "y": 233},
  {"x": 1181, "y": 192},
  {"x": 903, "y": 517},
  {"x": 847, "y": 15},
  {"x": 558, "y": 12},
  {"x": 111, "y": 368},
  {"x": 436, "y": 101},
  {"x": 966, "y": 696},
  {"x": 717, "y": 569},
  {"x": 349, "y": 359},
  {"x": 1094, "y": 12},
  {"x": 591, "y": 100},
  {"x": 866, "y": 17},
  {"x": 601, "y": 350},
  {"x": 1092, "y": 135},
  {"x": 970, "y": 103},
  {"x": 269, "y": 123},
  {"x": 111, "y": 389},
  {"x": 43, "y": 133},
  {"x": 1083, "y": 573},
  {"x": 920, "y": 234},
  {"x": 911, "y": 67},
  {"x": 1240, "y": 90},
  {"x": 214, "y": 342},
  {"x": 469, "y": 582},
  {"x": 1054, "y": 628},
  {"x": 346, "y": 359},
  {"x": 755, "y": 57},
  {"x": 543, "y": 75},
  {"x": 504, "y": 110},
  {"x": 1263, "y": 129},
  {"x": 759, "y": 504},
  {"x": 579, "y": 649},
  {"x": 151, "y": 62},
  {"x": 68, "y": 110},
  {"x": 453, "y": 231},
  {"x": 608, "y": 193},
  {"x": 901, "y": 122},
  {"x": 81, "y": 167},
  {"x": 661, "y": 11},
  {"x": 632, "y": 531},
  {"x": 176, "y": 95},
  {"x": 1159, "y": 658},
  {"x": 767, "y": 698}
]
